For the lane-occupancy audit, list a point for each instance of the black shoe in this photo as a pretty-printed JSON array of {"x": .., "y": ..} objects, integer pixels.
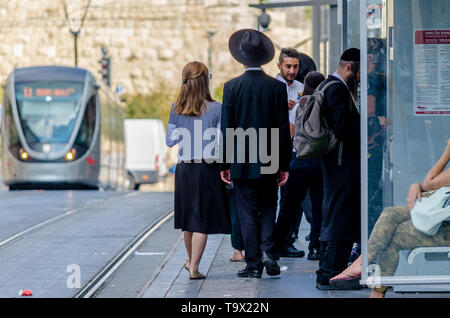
[
  {"x": 291, "y": 251},
  {"x": 252, "y": 273},
  {"x": 272, "y": 268},
  {"x": 346, "y": 284},
  {"x": 313, "y": 254},
  {"x": 323, "y": 286},
  {"x": 275, "y": 254}
]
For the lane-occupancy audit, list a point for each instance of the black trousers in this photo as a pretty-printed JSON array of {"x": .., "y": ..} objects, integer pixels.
[
  {"x": 237, "y": 241},
  {"x": 333, "y": 260},
  {"x": 256, "y": 201},
  {"x": 304, "y": 175}
]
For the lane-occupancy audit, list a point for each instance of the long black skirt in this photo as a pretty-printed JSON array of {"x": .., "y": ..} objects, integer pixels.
[{"x": 200, "y": 199}]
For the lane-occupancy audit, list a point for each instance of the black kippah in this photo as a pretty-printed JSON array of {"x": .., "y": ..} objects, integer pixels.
[{"x": 351, "y": 55}]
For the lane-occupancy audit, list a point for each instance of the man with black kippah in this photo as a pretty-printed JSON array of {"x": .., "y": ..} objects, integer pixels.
[{"x": 341, "y": 171}]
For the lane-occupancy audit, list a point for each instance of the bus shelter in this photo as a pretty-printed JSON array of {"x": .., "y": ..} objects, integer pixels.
[{"x": 405, "y": 114}]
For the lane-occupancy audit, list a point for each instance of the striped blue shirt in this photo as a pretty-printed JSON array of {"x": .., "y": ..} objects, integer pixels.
[{"x": 197, "y": 136}]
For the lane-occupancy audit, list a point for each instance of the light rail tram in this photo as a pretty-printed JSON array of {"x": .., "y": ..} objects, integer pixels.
[{"x": 61, "y": 129}]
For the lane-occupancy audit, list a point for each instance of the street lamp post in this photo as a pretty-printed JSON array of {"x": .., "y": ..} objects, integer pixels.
[
  {"x": 75, "y": 38},
  {"x": 75, "y": 21}
]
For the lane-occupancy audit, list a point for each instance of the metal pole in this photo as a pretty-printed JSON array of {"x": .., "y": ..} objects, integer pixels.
[
  {"x": 344, "y": 25},
  {"x": 324, "y": 38},
  {"x": 316, "y": 35},
  {"x": 364, "y": 164},
  {"x": 75, "y": 30},
  {"x": 210, "y": 52},
  {"x": 334, "y": 37},
  {"x": 75, "y": 36}
]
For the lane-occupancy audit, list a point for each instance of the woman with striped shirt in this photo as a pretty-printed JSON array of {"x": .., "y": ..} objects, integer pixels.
[{"x": 200, "y": 196}]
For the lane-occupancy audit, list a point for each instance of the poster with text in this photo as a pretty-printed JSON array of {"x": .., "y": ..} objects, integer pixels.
[{"x": 431, "y": 72}]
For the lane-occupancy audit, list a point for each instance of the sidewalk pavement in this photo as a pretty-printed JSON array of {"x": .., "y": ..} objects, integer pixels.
[{"x": 297, "y": 279}]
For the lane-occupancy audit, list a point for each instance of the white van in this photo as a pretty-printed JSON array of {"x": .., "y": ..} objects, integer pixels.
[{"x": 145, "y": 142}]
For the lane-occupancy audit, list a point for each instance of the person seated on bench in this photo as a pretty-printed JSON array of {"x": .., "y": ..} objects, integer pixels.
[{"x": 394, "y": 231}]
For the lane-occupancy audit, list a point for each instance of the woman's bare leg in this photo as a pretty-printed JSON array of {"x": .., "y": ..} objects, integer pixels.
[
  {"x": 188, "y": 244},
  {"x": 198, "y": 246}
]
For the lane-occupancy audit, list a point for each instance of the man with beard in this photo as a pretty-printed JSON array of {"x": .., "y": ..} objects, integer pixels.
[
  {"x": 341, "y": 171},
  {"x": 288, "y": 64}
]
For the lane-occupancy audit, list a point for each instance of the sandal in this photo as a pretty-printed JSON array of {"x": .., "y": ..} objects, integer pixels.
[
  {"x": 347, "y": 283},
  {"x": 185, "y": 264},
  {"x": 196, "y": 275},
  {"x": 234, "y": 259}
]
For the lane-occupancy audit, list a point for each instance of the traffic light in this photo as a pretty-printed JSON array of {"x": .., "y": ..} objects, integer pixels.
[{"x": 106, "y": 70}]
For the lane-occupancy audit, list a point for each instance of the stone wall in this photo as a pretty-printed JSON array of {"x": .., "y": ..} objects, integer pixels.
[{"x": 149, "y": 40}]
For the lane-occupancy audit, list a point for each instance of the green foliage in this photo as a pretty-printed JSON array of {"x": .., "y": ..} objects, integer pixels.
[
  {"x": 158, "y": 103},
  {"x": 218, "y": 93},
  {"x": 308, "y": 12},
  {"x": 154, "y": 105}
]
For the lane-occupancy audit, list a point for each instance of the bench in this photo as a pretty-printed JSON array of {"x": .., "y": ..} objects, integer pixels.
[{"x": 420, "y": 262}]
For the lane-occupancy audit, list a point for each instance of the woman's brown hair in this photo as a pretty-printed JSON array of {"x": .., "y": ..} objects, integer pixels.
[{"x": 194, "y": 91}]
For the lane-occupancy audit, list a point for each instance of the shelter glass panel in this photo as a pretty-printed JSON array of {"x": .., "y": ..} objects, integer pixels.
[{"x": 406, "y": 101}]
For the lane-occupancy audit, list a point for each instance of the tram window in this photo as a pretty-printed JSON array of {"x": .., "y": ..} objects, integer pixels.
[
  {"x": 48, "y": 111},
  {"x": 10, "y": 127},
  {"x": 87, "y": 129}
]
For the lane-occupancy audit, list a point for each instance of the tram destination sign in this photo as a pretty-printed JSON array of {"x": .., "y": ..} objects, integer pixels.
[{"x": 30, "y": 92}]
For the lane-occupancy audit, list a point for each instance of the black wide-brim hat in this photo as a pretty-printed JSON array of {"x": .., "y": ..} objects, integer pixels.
[{"x": 251, "y": 47}]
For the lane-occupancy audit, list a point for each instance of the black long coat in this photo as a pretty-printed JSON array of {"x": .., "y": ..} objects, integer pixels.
[
  {"x": 255, "y": 100},
  {"x": 342, "y": 185}
]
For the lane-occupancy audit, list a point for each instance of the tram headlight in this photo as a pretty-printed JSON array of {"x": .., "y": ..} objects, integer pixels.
[
  {"x": 24, "y": 155},
  {"x": 70, "y": 155}
]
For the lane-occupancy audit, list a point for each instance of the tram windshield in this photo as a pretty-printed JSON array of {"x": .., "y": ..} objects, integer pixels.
[{"x": 48, "y": 112}]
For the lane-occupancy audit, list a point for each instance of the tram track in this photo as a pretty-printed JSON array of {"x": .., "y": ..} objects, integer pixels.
[
  {"x": 56, "y": 218},
  {"x": 89, "y": 289}
]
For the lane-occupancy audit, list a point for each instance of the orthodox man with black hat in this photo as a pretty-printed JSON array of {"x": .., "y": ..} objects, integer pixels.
[
  {"x": 341, "y": 171},
  {"x": 256, "y": 147}
]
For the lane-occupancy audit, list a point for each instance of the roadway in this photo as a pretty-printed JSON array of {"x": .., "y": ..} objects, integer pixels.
[{"x": 49, "y": 237}]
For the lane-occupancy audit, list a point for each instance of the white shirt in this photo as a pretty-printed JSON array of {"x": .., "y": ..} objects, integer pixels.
[
  {"x": 292, "y": 114},
  {"x": 253, "y": 69},
  {"x": 292, "y": 90},
  {"x": 336, "y": 74},
  {"x": 292, "y": 120}
]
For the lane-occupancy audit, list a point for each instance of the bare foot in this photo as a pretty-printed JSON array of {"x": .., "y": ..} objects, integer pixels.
[
  {"x": 187, "y": 264},
  {"x": 354, "y": 270},
  {"x": 237, "y": 256}
]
